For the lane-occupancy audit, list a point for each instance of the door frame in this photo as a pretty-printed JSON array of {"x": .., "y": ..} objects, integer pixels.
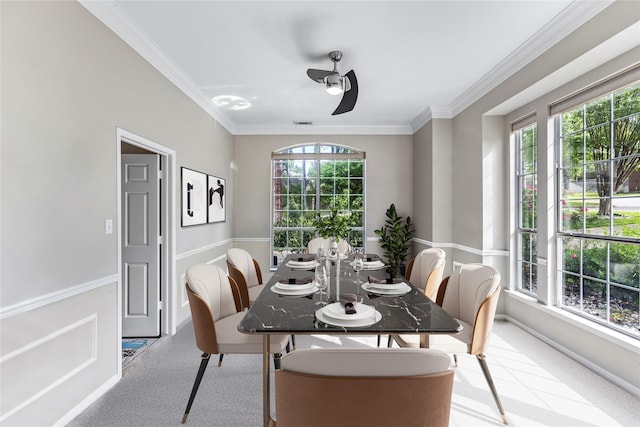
[{"x": 168, "y": 226}]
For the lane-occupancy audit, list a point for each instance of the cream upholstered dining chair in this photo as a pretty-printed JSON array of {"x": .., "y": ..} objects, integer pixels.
[
  {"x": 312, "y": 247},
  {"x": 357, "y": 386},
  {"x": 216, "y": 310},
  {"x": 245, "y": 270},
  {"x": 426, "y": 271},
  {"x": 470, "y": 295}
]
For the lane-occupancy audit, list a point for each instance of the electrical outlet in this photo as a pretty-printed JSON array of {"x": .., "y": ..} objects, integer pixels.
[{"x": 108, "y": 226}]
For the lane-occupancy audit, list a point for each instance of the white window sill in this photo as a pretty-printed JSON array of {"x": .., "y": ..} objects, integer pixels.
[{"x": 610, "y": 335}]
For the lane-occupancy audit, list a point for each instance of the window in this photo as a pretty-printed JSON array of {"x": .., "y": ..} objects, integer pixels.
[
  {"x": 526, "y": 140},
  {"x": 598, "y": 211},
  {"x": 310, "y": 179}
]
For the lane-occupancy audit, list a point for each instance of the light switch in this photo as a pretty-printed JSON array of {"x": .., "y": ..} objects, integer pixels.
[{"x": 108, "y": 226}]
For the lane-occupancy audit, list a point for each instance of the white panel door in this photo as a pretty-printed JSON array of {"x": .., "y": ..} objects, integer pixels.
[{"x": 140, "y": 245}]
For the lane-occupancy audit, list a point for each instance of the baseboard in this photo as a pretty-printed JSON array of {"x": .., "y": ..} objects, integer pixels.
[{"x": 87, "y": 401}]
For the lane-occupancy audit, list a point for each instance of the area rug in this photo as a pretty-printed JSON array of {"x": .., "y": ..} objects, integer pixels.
[{"x": 133, "y": 347}]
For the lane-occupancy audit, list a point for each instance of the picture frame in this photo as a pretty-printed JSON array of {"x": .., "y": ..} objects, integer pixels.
[
  {"x": 194, "y": 197},
  {"x": 216, "y": 199}
]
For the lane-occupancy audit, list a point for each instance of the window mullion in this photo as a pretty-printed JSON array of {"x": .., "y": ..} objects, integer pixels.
[
  {"x": 612, "y": 162},
  {"x": 317, "y": 185}
]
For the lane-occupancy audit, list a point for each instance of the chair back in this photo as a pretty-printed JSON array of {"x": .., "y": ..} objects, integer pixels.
[
  {"x": 471, "y": 295},
  {"x": 212, "y": 296},
  {"x": 245, "y": 270},
  {"x": 426, "y": 271},
  {"x": 314, "y": 244},
  {"x": 364, "y": 386},
  {"x": 245, "y": 263}
]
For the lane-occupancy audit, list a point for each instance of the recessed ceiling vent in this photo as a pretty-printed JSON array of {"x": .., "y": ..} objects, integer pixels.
[{"x": 302, "y": 123}]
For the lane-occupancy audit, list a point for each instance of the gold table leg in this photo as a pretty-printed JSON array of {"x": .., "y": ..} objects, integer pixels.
[
  {"x": 266, "y": 386},
  {"x": 424, "y": 341}
]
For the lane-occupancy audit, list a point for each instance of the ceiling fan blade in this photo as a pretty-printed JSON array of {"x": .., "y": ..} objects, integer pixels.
[
  {"x": 318, "y": 75},
  {"x": 350, "y": 96}
]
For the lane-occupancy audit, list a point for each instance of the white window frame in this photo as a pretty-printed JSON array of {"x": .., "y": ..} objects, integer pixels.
[
  {"x": 596, "y": 91},
  {"x": 314, "y": 151},
  {"x": 517, "y": 128}
]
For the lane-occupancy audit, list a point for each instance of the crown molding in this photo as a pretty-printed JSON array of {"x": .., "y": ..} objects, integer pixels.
[
  {"x": 570, "y": 19},
  {"x": 111, "y": 15},
  {"x": 323, "y": 130},
  {"x": 431, "y": 112}
]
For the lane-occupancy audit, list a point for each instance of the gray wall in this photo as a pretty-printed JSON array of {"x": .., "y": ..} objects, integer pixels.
[
  {"x": 67, "y": 83},
  {"x": 432, "y": 189}
]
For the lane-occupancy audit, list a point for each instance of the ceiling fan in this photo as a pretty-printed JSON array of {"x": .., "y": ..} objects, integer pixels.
[{"x": 335, "y": 84}]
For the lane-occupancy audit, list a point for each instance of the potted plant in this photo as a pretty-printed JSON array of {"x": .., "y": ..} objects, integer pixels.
[
  {"x": 395, "y": 240},
  {"x": 334, "y": 226}
]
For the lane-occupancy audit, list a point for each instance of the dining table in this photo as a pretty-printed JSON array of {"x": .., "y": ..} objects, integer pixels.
[{"x": 398, "y": 307}]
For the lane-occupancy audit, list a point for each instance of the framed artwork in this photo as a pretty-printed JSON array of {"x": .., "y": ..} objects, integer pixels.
[
  {"x": 216, "y": 201},
  {"x": 194, "y": 197}
]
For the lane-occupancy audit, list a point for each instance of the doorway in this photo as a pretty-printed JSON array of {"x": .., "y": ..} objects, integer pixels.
[
  {"x": 141, "y": 233},
  {"x": 162, "y": 305}
]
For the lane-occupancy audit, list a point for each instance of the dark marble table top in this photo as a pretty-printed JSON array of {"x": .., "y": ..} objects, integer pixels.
[{"x": 413, "y": 312}]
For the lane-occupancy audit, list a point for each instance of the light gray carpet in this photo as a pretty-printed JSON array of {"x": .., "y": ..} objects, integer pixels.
[{"x": 538, "y": 387}]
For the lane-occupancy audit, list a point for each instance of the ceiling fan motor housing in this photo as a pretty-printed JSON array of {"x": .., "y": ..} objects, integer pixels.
[{"x": 335, "y": 55}]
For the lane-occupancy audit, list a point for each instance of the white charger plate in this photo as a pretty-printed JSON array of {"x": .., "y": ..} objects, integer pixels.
[
  {"x": 395, "y": 292},
  {"x": 284, "y": 286},
  {"x": 295, "y": 293},
  {"x": 357, "y": 323},
  {"x": 336, "y": 311},
  {"x": 306, "y": 265},
  {"x": 388, "y": 286},
  {"x": 372, "y": 265}
]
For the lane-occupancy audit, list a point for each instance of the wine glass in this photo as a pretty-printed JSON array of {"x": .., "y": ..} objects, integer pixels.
[
  {"x": 321, "y": 280},
  {"x": 358, "y": 266}
]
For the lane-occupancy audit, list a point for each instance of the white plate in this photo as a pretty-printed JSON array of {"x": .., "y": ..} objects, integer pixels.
[
  {"x": 373, "y": 265},
  {"x": 367, "y": 287},
  {"x": 284, "y": 286},
  {"x": 306, "y": 265},
  {"x": 388, "y": 286},
  {"x": 375, "y": 318},
  {"x": 296, "y": 293},
  {"x": 336, "y": 311}
]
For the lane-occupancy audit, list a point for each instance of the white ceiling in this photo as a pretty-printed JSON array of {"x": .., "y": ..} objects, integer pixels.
[{"x": 413, "y": 59}]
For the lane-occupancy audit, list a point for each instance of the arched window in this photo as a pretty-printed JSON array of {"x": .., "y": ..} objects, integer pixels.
[{"x": 310, "y": 179}]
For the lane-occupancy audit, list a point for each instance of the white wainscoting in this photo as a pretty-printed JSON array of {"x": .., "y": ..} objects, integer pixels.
[
  {"x": 74, "y": 347},
  {"x": 56, "y": 351}
]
